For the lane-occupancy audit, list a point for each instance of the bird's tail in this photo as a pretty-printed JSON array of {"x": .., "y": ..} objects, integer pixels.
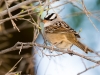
[{"x": 83, "y": 47}]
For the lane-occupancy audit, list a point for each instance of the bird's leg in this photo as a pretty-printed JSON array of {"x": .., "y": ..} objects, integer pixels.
[
  {"x": 52, "y": 48},
  {"x": 69, "y": 51}
]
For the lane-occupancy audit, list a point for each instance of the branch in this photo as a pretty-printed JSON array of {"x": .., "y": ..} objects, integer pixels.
[
  {"x": 16, "y": 7},
  {"x": 18, "y": 46},
  {"x": 10, "y": 15},
  {"x": 89, "y": 68},
  {"x": 11, "y": 30}
]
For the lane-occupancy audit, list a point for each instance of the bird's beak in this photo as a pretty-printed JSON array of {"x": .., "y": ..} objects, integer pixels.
[{"x": 44, "y": 21}]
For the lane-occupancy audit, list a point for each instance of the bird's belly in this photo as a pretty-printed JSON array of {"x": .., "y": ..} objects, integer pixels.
[{"x": 58, "y": 40}]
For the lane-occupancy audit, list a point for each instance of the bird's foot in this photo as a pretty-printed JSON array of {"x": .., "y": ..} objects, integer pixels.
[
  {"x": 52, "y": 48},
  {"x": 70, "y": 52}
]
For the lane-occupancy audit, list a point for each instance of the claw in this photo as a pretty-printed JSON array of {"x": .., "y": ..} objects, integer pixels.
[{"x": 70, "y": 52}]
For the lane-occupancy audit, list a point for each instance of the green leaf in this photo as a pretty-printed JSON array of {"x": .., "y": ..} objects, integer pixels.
[{"x": 41, "y": 10}]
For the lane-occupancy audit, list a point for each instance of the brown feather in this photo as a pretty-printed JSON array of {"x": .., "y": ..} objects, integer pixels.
[
  {"x": 83, "y": 47},
  {"x": 61, "y": 28},
  {"x": 71, "y": 37}
]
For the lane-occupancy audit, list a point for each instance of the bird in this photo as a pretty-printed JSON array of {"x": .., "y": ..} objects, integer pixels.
[{"x": 59, "y": 34}]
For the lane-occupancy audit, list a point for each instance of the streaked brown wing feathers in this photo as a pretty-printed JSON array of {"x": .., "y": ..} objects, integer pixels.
[{"x": 61, "y": 27}]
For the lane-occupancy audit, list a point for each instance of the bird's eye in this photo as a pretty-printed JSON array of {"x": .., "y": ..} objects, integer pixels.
[{"x": 50, "y": 19}]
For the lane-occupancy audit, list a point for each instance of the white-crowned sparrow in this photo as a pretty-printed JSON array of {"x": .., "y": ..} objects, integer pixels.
[{"x": 58, "y": 33}]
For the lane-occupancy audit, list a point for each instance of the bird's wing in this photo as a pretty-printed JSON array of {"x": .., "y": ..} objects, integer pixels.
[
  {"x": 71, "y": 35},
  {"x": 61, "y": 27}
]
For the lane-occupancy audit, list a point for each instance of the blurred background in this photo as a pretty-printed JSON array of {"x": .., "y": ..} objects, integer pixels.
[
  {"x": 41, "y": 61},
  {"x": 72, "y": 65}
]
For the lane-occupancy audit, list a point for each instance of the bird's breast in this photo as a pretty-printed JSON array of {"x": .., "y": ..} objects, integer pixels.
[{"x": 59, "y": 40}]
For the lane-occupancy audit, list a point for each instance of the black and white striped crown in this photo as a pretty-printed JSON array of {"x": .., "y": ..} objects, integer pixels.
[{"x": 50, "y": 17}]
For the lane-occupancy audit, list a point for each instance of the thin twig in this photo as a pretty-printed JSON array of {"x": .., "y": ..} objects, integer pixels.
[
  {"x": 86, "y": 12},
  {"x": 13, "y": 23},
  {"x": 11, "y": 9},
  {"x": 83, "y": 63},
  {"x": 89, "y": 68},
  {"x": 31, "y": 44},
  {"x": 15, "y": 65}
]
